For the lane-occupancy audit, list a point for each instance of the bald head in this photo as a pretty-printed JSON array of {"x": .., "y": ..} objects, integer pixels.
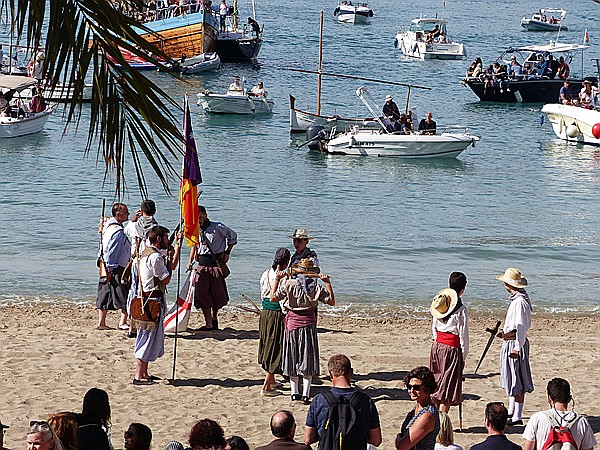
[{"x": 283, "y": 424}]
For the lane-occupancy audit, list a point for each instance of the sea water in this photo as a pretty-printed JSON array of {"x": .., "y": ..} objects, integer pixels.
[{"x": 388, "y": 231}]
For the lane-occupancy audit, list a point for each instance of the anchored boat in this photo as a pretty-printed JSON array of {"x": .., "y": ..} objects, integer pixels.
[
  {"x": 428, "y": 38},
  {"x": 348, "y": 12},
  {"x": 539, "y": 21},
  {"x": 573, "y": 123}
]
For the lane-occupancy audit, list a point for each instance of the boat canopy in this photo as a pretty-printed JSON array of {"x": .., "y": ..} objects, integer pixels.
[
  {"x": 553, "y": 47},
  {"x": 553, "y": 10},
  {"x": 427, "y": 25},
  {"x": 17, "y": 83}
]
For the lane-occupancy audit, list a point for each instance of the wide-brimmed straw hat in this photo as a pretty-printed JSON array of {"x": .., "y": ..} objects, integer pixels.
[
  {"x": 443, "y": 303},
  {"x": 305, "y": 266},
  {"x": 301, "y": 233},
  {"x": 513, "y": 278},
  {"x": 586, "y": 82},
  {"x": 388, "y": 98}
]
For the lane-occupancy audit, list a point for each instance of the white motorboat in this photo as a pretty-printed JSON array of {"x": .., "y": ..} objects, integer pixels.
[
  {"x": 21, "y": 121},
  {"x": 428, "y": 39},
  {"x": 348, "y": 12},
  {"x": 448, "y": 143},
  {"x": 540, "y": 21},
  {"x": 198, "y": 63},
  {"x": 236, "y": 101},
  {"x": 60, "y": 93},
  {"x": 573, "y": 123}
]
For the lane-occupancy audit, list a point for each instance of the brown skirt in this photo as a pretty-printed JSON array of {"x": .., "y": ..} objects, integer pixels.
[
  {"x": 270, "y": 345},
  {"x": 210, "y": 288},
  {"x": 447, "y": 365}
]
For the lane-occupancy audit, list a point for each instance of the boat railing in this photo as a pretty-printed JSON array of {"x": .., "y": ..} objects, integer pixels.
[
  {"x": 191, "y": 7},
  {"x": 452, "y": 129}
]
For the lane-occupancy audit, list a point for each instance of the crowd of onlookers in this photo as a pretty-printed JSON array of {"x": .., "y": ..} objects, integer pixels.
[{"x": 161, "y": 9}]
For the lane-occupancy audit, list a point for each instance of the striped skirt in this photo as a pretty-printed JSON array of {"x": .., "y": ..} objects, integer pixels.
[
  {"x": 515, "y": 374},
  {"x": 270, "y": 345},
  {"x": 446, "y": 363},
  {"x": 300, "y": 352}
]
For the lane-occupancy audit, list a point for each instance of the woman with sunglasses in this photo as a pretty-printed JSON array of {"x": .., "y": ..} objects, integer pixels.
[
  {"x": 41, "y": 436},
  {"x": 422, "y": 424}
]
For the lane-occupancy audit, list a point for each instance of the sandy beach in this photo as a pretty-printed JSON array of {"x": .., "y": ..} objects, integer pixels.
[{"x": 51, "y": 355}]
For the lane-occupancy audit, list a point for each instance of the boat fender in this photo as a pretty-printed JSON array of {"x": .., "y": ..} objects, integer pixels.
[
  {"x": 572, "y": 131},
  {"x": 541, "y": 119},
  {"x": 371, "y": 13},
  {"x": 336, "y": 11},
  {"x": 596, "y": 130},
  {"x": 415, "y": 48},
  {"x": 395, "y": 43}
]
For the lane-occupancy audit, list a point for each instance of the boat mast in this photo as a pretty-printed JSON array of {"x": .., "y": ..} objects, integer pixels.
[
  {"x": 320, "y": 66},
  {"x": 253, "y": 10}
]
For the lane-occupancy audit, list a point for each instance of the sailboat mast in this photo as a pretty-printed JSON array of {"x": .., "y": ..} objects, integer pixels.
[
  {"x": 320, "y": 67},
  {"x": 253, "y": 10}
]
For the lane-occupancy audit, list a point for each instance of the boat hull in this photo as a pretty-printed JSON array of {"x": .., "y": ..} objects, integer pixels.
[
  {"x": 188, "y": 34},
  {"x": 433, "y": 50},
  {"x": 538, "y": 25},
  {"x": 572, "y": 123},
  {"x": 235, "y": 104},
  {"x": 521, "y": 91},
  {"x": 416, "y": 146},
  {"x": 300, "y": 121},
  {"x": 11, "y": 127},
  {"x": 232, "y": 48},
  {"x": 200, "y": 63}
]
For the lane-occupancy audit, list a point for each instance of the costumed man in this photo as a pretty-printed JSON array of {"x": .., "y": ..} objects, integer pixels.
[
  {"x": 300, "y": 239},
  {"x": 114, "y": 254},
  {"x": 137, "y": 231},
  {"x": 155, "y": 274},
  {"x": 515, "y": 372},
  {"x": 216, "y": 242},
  {"x": 450, "y": 329}
]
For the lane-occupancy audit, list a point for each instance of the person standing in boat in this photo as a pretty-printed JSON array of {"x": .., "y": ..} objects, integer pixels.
[
  {"x": 390, "y": 109},
  {"x": 223, "y": 10},
  {"x": 255, "y": 26}
]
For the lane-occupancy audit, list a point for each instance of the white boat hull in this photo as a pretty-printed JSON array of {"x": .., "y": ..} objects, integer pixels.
[
  {"x": 424, "y": 51},
  {"x": 235, "y": 104},
  {"x": 371, "y": 143},
  {"x": 200, "y": 63},
  {"x": 11, "y": 127},
  {"x": 572, "y": 123},
  {"x": 538, "y": 25}
]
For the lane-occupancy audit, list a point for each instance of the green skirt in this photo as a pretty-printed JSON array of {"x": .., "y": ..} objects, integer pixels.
[{"x": 270, "y": 346}]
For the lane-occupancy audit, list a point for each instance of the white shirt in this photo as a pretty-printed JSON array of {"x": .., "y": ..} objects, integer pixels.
[
  {"x": 439, "y": 446},
  {"x": 518, "y": 317},
  {"x": 266, "y": 281},
  {"x": 539, "y": 427},
  {"x": 458, "y": 324},
  {"x": 258, "y": 91},
  {"x": 150, "y": 267},
  {"x": 223, "y": 12}
]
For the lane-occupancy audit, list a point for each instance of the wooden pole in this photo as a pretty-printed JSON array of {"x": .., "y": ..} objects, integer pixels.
[
  {"x": 320, "y": 66},
  {"x": 407, "y": 101}
]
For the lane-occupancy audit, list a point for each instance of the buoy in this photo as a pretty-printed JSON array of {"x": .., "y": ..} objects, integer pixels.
[
  {"x": 596, "y": 131},
  {"x": 541, "y": 120},
  {"x": 572, "y": 131}
]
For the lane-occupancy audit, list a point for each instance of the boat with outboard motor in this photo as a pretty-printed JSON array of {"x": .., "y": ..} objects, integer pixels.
[
  {"x": 534, "y": 78},
  {"x": 539, "y": 20},
  {"x": 449, "y": 143},
  {"x": 19, "y": 120},
  {"x": 427, "y": 38},
  {"x": 574, "y": 123},
  {"x": 236, "y": 101},
  {"x": 348, "y": 12}
]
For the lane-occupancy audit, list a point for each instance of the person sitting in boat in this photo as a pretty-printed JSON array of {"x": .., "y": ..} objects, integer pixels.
[
  {"x": 565, "y": 96},
  {"x": 501, "y": 75},
  {"x": 390, "y": 109},
  {"x": 515, "y": 70},
  {"x": 587, "y": 95},
  {"x": 527, "y": 69},
  {"x": 552, "y": 68},
  {"x": 544, "y": 19},
  {"x": 563, "y": 70},
  {"x": 541, "y": 67},
  {"x": 441, "y": 38},
  {"x": 255, "y": 26},
  {"x": 236, "y": 85},
  {"x": 434, "y": 33},
  {"x": 427, "y": 125},
  {"x": 38, "y": 102},
  {"x": 471, "y": 70},
  {"x": 258, "y": 90}
]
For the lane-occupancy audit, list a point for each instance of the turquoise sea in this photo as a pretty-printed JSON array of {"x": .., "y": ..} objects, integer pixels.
[{"x": 388, "y": 231}]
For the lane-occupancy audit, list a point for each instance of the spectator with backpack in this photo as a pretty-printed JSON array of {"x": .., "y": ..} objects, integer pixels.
[
  {"x": 342, "y": 417},
  {"x": 558, "y": 428},
  {"x": 496, "y": 417}
]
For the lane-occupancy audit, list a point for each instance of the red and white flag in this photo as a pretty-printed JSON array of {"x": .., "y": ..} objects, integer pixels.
[{"x": 182, "y": 308}]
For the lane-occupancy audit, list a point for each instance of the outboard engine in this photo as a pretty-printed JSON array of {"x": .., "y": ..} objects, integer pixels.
[{"x": 315, "y": 134}]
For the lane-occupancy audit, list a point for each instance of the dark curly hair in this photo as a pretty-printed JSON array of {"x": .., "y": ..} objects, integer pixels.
[
  {"x": 207, "y": 434},
  {"x": 425, "y": 375}
]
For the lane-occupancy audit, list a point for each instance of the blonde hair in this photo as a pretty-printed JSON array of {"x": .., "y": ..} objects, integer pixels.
[
  {"x": 446, "y": 435},
  {"x": 46, "y": 430}
]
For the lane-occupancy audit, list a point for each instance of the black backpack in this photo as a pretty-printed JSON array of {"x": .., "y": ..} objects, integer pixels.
[{"x": 343, "y": 428}]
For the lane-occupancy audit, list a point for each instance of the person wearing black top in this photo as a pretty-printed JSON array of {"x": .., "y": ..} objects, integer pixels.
[{"x": 427, "y": 125}]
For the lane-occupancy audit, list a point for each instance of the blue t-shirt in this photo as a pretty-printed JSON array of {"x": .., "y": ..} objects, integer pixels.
[{"x": 317, "y": 412}]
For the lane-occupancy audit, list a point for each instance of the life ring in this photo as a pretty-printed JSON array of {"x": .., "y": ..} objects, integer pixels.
[{"x": 563, "y": 72}]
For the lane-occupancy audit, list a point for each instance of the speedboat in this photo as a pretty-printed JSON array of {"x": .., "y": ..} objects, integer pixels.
[
  {"x": 21, "y": 121},
  {"x": 539, "y": 21},
  {"x": 348, "y": 12},
  {"x": 428, "y": 39},
  {"x": 198, "y": 63},
  {"x": 236, "y": 101},
  {"x": 449, "y": 143},
  {"x": 573, "y": 123},
  {"x": 527, "y": 87}
]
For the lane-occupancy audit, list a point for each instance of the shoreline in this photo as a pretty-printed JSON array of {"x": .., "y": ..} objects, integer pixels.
[{"x": 53, "y": 354}]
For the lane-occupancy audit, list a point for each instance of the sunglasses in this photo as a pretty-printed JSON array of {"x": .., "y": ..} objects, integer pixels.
[
  {"x": 414, "y": 387},
  {"x": 39, "y": 423}
]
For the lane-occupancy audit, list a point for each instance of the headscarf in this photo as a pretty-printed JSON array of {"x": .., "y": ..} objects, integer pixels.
[{"x": 282, "y": 257}]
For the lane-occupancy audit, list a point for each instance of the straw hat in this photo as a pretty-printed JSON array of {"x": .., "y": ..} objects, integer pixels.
[
  {"x": 388, "y": 98},
  {"x": 586, "y": 82},
  {"x": 443, "y": 303},
  {"x": 513, "y": 278},
  {"x": 305, "y": 266},
  {"x": 301, "y": 233}
]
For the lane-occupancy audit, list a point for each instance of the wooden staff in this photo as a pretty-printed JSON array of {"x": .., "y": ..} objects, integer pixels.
[{"x": 256, "y": 308}]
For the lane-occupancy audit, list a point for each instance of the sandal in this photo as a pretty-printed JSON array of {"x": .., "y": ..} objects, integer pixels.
[{"x": 205, "y": 328}]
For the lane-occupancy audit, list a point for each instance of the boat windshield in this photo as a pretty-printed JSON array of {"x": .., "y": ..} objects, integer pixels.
[{"x": 428, "y": 27}]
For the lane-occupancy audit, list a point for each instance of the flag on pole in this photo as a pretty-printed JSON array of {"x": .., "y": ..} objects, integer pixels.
[
  {"x": 586, "y": 37},
  {"x": 191, "y": 178},
  {"x": 178, "y": 317}
]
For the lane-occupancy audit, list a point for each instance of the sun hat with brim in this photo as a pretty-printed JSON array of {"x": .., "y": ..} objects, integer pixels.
[
  {"x": 2, "y": 426},
  {"x": 388, "y": 97},
  {"x": 301, "y": 233},
  {"x": 513, "y": 278},
  {"x": 305, "y": 266},
  {"x": 586, "y": 82},
  {"x": 443, "y": 303}
]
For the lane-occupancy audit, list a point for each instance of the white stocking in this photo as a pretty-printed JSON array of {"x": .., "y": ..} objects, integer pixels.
[
  {"x": 306, "y": 380},
  {"x": 295, "y": 385}
]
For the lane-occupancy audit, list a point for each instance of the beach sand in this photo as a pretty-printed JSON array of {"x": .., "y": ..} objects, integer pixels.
[{"x": 51, "y": 355}]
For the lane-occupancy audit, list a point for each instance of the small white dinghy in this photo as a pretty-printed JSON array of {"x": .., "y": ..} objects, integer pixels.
[
  {"x": 236, "y": 101},
  {"x": 21, "y": 121},
  {"x": 198, "y": 63},
  {"x": 348, "y": 12}
]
